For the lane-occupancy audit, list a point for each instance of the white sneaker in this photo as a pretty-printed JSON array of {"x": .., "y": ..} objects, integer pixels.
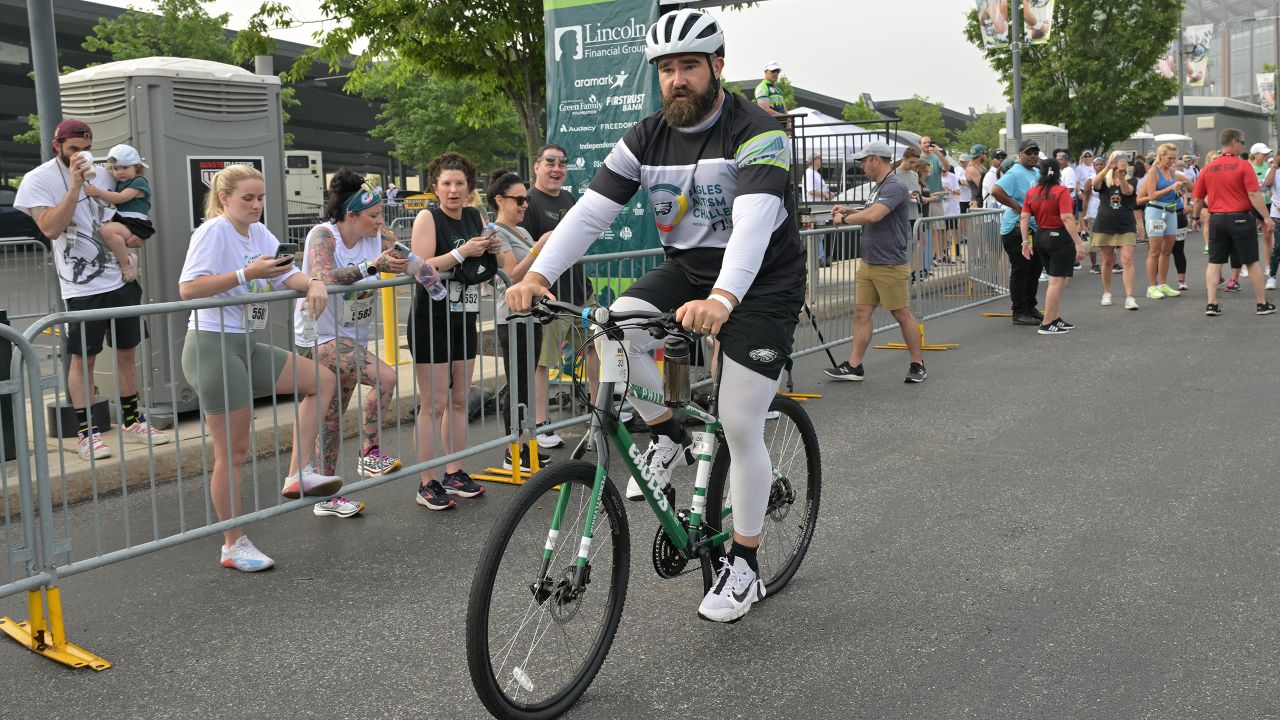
[
  {"x": 737, "y": 588},
  {"x": 93, "y": 443},
  {"x": 663, "y": 456},
  {"x": 1271, "y": 283},
  {"x": 313, "y": 484},
  {"x": 1244, "y": 272},
  {"x": 1044, "y": 277},
  {"x": 1106, "y": 299},
  {"x": 143, "y": 433},
  {"x": 338, "y": 507},
  {"x": 243, "y": 556},
  {"x": 550, "y": 440},
  {"x": 1130, "y": 303}
]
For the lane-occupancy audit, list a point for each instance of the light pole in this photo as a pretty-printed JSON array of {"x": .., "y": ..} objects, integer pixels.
[{"x": 1015, "y": 46}]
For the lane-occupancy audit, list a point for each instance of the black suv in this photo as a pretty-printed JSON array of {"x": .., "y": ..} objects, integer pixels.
[{"x": 13, "y": 222}]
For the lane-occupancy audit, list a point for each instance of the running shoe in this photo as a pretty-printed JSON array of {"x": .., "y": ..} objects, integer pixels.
[
  {"x": 460, "y": 484},
  {"x": 311, "y": 483},
  {"x": 338, "y": 507},
  {"x": 433, "y": 496},
  {"x": 143, "y": 433},
  {"x": 1182, "y": 286},
  {"x": 525, "y": 467},
  {"x": 1044, "y": 276},
  {"x": 737, "y": 588},
  {"x": 1212, "y": 309},
  {"x": 662, "y": 458},
  {"x": 373, "y": 463},
  {"x": 1066, "y": 324},
  {"x": 1232, "y": 286},
  {"x": 1117, "y": 268},
  {"x": 1077, "y": 266},
  {"x": 1130, "y": 303},
  {"x": 1266, "y": 308},
  {"x": 1271, "y": 283},
  {"x": 550, "y": 440},
  {"x": 1054, "y": 328},
  {"x": 845, "y": 371},
  {"x": 1096, "y": 270},
  {"x": 93, "y": 444},
  {"x": 916, "y": 373},
  {"x": 1106, "y": 299},
  {"x": 243, "y": 556},
  {"x": 1167, "y": 291},
  {"x": 1153, "y": 293}
]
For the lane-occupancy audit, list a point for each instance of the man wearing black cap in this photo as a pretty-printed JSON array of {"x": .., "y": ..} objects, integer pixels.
[
  {"x": 1024, "y": 273},
  {"x": 53, "y": 195}
]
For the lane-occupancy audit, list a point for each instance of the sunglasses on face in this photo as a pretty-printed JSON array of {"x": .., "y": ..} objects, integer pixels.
[
  {"x": 562, "y": 162},
  {"x": 518, "y": 199}
]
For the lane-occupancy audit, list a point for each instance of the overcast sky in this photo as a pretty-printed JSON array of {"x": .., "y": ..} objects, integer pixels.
[{"x": 835, "y": 47}]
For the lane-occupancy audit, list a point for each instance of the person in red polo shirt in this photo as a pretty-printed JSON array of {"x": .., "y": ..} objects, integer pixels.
[
  {"x": 1056, "y": 240},
  {"x": 1228, "y": 188}
]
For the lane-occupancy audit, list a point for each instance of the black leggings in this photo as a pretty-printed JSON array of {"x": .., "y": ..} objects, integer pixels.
[
  {"x": 1180, "y": 256},
  {"x": 522, "y": 365}
]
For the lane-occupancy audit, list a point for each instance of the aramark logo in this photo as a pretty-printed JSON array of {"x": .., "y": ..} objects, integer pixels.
[
  {"x": 599, "y": 40},
  {"x": 608, "y": 81}
]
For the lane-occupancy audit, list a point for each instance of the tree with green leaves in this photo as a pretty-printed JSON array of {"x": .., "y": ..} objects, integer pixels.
[
  {"x": 924, "y": 118},
  {"x": 982, "y": 130},
  {"x": 421, "y": 117},
  {"x": 860, "y": 111},
  {"x": 1100, "y": 86}
]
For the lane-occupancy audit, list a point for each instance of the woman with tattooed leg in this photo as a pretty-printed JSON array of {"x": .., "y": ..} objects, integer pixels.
[{"x": 350, "y": 248}]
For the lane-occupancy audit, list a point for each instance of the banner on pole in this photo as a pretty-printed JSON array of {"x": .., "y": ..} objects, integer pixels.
[
  {"x": 993, "y": 17},
  {"x": 1195, "y": 41},
  {"x": 1267, "y": 90},
  {"x": 599, "y": 85}
]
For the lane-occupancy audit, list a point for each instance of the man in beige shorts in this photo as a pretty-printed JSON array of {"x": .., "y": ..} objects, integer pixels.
[{"x": 883, "y": 276}]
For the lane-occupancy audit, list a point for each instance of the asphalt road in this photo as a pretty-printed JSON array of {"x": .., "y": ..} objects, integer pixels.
[{"x": 1050, "y": 527}]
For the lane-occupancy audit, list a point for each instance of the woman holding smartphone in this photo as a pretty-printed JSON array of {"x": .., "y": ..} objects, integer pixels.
[
  {"x": 1116, "y": 226},
  {"x": 349, "y": 248},
  {"x": 233, "y": 255}
]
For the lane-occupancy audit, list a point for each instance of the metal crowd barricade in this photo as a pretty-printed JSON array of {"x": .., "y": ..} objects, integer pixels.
[
  {"x": 26, "y": 269},
  {"x": 959, "y": 263}
]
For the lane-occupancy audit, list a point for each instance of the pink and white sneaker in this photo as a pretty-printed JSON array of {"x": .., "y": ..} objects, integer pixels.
[
  {"x": 92, "y": 444},
  {"x": 243, "y": 556},
  {"x": 309, "y": 483},
  {"x": 374, "y": 463},
  {"x": 143, "y": 433}
]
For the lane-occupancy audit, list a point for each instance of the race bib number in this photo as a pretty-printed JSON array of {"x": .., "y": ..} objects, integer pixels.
[
  {"x": 613, "y": 361},
  {"x": 357, "y": 312},
  {"x": 1182, "y": 235},
  {"x": 464, "y": 298},
  {"x": 1157, "y": 227},
  {"x": 255, "y": 316}
]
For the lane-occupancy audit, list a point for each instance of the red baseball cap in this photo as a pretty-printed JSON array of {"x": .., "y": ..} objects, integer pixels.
[{"x": 72, "y": 129}]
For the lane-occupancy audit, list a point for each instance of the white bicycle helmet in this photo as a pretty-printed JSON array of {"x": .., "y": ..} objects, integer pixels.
[{"x": 684, "y": 31}]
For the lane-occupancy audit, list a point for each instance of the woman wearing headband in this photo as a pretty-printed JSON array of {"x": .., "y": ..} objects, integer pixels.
[{"x": 350, "y": 247}]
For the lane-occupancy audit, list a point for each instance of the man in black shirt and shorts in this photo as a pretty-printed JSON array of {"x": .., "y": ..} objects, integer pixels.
[{"x": 716, "y": 169}]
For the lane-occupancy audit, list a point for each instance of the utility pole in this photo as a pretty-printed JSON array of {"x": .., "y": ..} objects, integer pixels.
[
  {"x": 1180, "y": 57},
  {"x": 44, "y": 59},
  {"x": 1015, "y": 45}
]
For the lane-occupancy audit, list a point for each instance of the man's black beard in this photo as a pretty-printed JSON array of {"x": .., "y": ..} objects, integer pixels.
[{"x": 683, "y": 114}]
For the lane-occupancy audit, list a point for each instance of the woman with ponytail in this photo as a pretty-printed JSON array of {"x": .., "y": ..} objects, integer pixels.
[{"x": 1056, "y": 240}]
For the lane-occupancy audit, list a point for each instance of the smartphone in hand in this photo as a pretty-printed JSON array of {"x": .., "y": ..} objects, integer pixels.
[{"x": 285, "y": 253}]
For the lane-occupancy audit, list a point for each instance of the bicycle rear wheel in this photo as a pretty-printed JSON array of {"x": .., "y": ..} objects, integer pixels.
[
  {"x": 794, "y": 496},
  {"x": 534, "y": 642}
]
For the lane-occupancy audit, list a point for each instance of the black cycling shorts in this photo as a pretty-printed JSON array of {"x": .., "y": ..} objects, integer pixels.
[
  {"x": 1233, "y": 237},
  {"x": 1057, "y": 251},
  {"x": 759, "y": 333}
]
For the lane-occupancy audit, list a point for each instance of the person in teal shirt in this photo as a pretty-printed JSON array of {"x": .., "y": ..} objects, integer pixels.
[{"x": 1024, "y": 273}]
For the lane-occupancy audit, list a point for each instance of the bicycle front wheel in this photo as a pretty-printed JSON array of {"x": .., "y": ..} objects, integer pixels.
[
  {"x": 536, "y": 638},
  {"x": 794, "y": 492}
]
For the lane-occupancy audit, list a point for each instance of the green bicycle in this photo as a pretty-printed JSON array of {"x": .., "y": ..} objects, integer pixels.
[{"x": 548, "y": 592}]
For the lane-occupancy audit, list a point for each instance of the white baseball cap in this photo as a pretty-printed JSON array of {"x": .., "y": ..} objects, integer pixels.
[
  {"x": 772, "y": 66},
  {"x": 125, "y": 155},
  {"x": 1259, "y": 148}
]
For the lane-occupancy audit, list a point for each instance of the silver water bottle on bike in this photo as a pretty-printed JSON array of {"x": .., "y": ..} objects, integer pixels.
[{"x": 675, "y": 372}]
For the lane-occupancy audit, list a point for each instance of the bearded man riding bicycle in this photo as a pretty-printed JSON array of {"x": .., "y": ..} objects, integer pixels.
[{"x": 716, "y": 169}]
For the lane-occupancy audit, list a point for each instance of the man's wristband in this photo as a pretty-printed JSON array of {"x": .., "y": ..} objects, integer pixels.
[
  {"x": 457, "y": 256},
  {"x": 722, "y": 300},
  {"x": 240, "y": 277}
]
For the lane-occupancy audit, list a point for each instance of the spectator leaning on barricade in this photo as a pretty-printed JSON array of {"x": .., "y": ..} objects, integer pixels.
[
  {"x": 509, "y": 199},
  {"x": 883, "y": 276},
  {"x": 1116, "y": 226},
  {"x": 548, "y": 203},
  {"x": 1228, "y": 189},
  {"x": 768, "y": 94},
  {"x": 1159, "y": 190},
  {"x": 815, "y": 191},
  {"x": 55, "y": 196},
  {"x": 443, "y": 334},
  {"x": 232, "y": 254},
  {"x": 1024, "y": 272},
  {"x": 1055, "y": 240},
  {"x": 351, "y": 247}
]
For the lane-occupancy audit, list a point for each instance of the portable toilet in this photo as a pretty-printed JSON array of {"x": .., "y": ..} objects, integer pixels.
[
  {"x": 188, "y": 119},
  {"x": 1186, "y": 145},
  {"x": 1141, "y": 144},
  {"x": 1048, "y": 137}
]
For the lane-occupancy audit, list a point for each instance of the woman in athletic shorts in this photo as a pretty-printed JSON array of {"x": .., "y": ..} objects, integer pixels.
[
  {"x": 1056, "y": 240},
  {"x": 349, "y": 248},
  {"x": 1158, "y": 190},
  {"x": 1116, "y": 226},
  {"x": 232, "y": 254},
  {"x": 443, "y": 338}
]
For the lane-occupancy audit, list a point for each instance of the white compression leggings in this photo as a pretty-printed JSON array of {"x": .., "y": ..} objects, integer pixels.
[{"x": 742, "y": 412}]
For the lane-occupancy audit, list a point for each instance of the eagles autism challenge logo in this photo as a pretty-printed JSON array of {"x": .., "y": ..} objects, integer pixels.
[{"x": 669, "y": 206}]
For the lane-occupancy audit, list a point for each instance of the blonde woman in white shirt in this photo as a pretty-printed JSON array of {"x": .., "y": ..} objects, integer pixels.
[{"x": 232, "y": 255}]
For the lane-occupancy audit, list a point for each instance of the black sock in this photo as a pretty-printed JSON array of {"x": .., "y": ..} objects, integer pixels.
[
  {"x": 672, "y": 428},
  {"x": 129, "y": 409},
  {"x": 82, "y": 421},
  {"x": 746, "y": 553}
]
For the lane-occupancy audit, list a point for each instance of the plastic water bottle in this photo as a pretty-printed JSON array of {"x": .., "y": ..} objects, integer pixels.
[
  {"x": 427, "y": 276},
  {"x": 308, "y": 326}
]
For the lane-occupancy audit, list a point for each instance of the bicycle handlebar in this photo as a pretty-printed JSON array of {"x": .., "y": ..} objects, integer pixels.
[{"x": 665, "y": 322}]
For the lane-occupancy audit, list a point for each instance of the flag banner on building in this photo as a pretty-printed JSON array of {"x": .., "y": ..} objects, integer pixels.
[
  {"x": 993, "y": 17},
  {"x": 599, "y": 85},
  {"x": 1267, "y": 90},
  {"x": 1195, "y": 42}
]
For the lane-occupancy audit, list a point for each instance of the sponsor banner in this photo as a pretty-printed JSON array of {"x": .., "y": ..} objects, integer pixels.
[
  {"x": 1267, "y": 90},
  {"x": 1196, "y": 39},
  {"x": 993, "y": 18},
  {"x": 598, "y": 86},
  {"x": 200, "y": 172}
]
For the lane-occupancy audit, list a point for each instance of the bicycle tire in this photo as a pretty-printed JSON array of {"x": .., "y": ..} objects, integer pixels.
[
  {"x": 493, "y": 687},
  {"x": 776, "y": 573}
]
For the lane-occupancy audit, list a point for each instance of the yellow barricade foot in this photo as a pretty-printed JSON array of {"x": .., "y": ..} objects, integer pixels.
[
  {"x": 939, "y": 347},
  {"x": 49, "y": 637}
]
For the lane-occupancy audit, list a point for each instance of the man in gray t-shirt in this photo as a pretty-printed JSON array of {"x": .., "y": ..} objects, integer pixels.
[{"x": 883, "y": 276}]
